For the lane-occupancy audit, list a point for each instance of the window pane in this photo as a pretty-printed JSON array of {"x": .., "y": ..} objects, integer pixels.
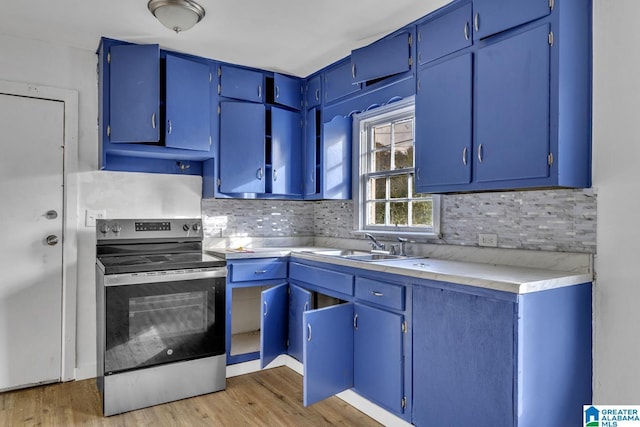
[
  {"x": 422, "y": 213},
  {"x": 403, "y": 144},
  {"x": 382, "y": 137},
  {"x": 381, "y": 161},
  {"x": 399, "y": 213},
  {"x": 399, "y": 186},
  {"x": 378, "y": 188},
  {"x": 375, "y": 213}
]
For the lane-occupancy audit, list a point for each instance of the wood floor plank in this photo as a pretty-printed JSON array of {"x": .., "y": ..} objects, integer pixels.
[{"x": 267, "y": 398}]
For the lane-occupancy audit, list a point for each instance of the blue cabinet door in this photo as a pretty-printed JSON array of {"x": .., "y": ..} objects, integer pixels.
[
  {"x": 336, "y": 159},
  {"x": 240, "y": 83},
  {"x": 188, "y": 105},
  {"x": 311, "y": 155},
  {"x": 378, "y": 357},
  {"x": 314, "y": 92},
  {"x": 299, "y": 302},
  {"x": 286, "y": 152},
  {"x": 338, "y": 82},
  {"x": 383, "y": 58},
  {"x": 445, "y": 34},
  {"x": 273, "y": 323},
  {"x": 444, "y": 124},
  {"x": 287, "y": 91},
  {"x": 463, "y": 353},
  {"x": 242, "y": 147},
  {"x": 493, "y": 16},
  {"x": 512, "y": 108},
  {"x": 134, "y": 91},
  {"x": 327, "y": 352}
]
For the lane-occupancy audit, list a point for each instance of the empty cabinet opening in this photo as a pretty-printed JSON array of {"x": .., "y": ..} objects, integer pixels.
[
  {"x": 245, "y": 320},
  {"x": 322, "y": 300}
]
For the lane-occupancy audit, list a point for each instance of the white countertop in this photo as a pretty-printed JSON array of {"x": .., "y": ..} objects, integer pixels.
[{"x": 519, "y": 280}]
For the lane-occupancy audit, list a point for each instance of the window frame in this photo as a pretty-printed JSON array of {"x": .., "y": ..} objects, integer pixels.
[{"x": 362, "y": 123}]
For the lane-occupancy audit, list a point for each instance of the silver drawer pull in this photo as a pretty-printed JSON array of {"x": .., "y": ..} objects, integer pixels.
[
  {"x": 260, "y": 271},
  {"x": 377, "y": 294}
]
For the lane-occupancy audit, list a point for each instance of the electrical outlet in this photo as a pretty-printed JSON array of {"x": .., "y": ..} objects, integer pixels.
[
  {"x": 91, "y": 215},
  {"x": 490, "y": 240}
]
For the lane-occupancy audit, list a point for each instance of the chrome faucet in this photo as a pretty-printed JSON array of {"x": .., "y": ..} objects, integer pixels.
[
  {"x": 403, "y": 250},
  {"x": 374, "y": 243}
]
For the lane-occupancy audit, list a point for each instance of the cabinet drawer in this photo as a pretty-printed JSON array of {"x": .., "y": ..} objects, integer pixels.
[
  {"x": 339, "y": 282},
  {"x": 381, "y": 293},
  {"x": 258, "y": 270}
]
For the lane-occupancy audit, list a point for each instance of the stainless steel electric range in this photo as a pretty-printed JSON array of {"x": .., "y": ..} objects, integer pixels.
[{"x": 160, "y": 313}]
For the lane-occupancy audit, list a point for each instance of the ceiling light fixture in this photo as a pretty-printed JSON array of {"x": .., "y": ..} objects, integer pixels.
[{"x": 177, "y": 15}]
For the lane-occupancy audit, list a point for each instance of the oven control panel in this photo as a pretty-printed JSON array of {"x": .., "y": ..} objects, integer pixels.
[{"x": 142, "y": 229}]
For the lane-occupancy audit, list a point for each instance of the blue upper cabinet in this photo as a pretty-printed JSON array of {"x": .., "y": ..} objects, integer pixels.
[
  {"x": 386, "y": 57},
  {"x": 313, "y": 92},
  {"x": 286, "y": 91},
  {"x": 338, "y": 82},
  {"x": 445, "y": 34},
  {"x": 512, "y": 108},
  {"x": 134, "y": 114},
  {"x": 493, "y": 16},
  {"x": 335, "y": 160},
  {"x": 286, "y": 152},
  {"x": 241, "y": 83},
  {"x": 444, "y": 124},
  {"x": 312, "y": 153},
  {"x": 242, "y": 147},
  {"x": 188, "y": 104}
]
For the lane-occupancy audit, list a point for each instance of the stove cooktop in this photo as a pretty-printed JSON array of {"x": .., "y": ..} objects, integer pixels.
[{"x": 139, "y": 263}]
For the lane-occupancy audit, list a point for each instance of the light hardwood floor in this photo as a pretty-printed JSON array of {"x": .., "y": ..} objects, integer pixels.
[{"x": 267, "y": 398}]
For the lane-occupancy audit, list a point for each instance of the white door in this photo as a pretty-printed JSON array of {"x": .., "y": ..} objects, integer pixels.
[{"x": 31, "y": 201}]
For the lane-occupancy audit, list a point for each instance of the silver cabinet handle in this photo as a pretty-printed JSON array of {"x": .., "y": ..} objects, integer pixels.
[
  {"x": 312, "y": 177},
  {"x": 52, "y": 240},
  {"x": 377, "y": 294},
  {"x": 170, "y": 127},
  {"x": 353, "y": 70},
  {"x": 153, "y": 120},
  {"x": 476, "y": 21},
  {"x": 466, "y": 31},
  {"x": 277, "y": 91},
  {"x": 260, "y": 91},
  {"x": 306, "y": 306},
  {"x": 317, "y": 94},
  {"x": 260, "y": 271},
  {"x": 464, "y": 156},
  {"x": 259, "y": 174},
  {"x": 309, "y": 330},
  {"x": 418, "y": 173},
  {"x": 266, "y": 309},
  {"x": 275, "y": 175},
  {"x": 355, "y": 321},
  {"x": 420, "y": 57},
  {"x": 480, "y": 153}
]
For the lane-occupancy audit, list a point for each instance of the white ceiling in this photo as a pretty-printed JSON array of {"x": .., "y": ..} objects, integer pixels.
[{"x": 295, "y": 37}]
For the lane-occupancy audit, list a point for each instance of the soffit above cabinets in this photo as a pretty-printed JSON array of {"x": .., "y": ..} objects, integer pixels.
[{"x": 291, "y": 37}]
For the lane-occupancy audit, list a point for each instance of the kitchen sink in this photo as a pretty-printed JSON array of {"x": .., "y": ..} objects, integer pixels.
[
  {"x": 342, "y": 252},
  {"x": 374, "y": 257},
  {"x": 358, "y": 255}
]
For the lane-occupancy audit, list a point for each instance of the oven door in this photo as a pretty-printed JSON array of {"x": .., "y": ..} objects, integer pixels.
[{"x": 162, "y": 317}]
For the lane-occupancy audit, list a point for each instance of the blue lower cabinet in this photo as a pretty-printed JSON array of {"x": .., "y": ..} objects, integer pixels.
[
  {"x": 327, "y": 352},
  {"x": 273, "y": 323},
  {"x": 300, "y": 300},
  {"x": 378, "y": 358}
]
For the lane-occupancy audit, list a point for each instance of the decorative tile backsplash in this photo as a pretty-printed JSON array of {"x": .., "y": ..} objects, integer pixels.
[{"x": 549, "y": 220}]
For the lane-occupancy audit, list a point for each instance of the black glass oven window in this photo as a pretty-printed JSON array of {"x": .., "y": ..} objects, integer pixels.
[{"x": 152, "y": 324}]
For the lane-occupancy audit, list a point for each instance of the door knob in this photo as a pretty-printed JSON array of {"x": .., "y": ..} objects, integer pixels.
[{"x": 52, "y": 240}]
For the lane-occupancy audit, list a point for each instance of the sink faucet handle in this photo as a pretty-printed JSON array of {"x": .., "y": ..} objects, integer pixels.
[{"x": 403, "y": 242}]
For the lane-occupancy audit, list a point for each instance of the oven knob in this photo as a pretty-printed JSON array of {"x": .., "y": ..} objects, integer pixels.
[
  {"x": 185, "y": 227},
  {"x": 116, "y": 228},
  {"x": 195, "y": 227},
  {"x": 104, "y": 228}
]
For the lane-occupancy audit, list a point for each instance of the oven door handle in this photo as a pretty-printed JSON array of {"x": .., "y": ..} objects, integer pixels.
[{"x": 163, "y": 276}]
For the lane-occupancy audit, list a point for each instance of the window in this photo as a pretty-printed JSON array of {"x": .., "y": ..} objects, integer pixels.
[{"x": 385, "y": 195}]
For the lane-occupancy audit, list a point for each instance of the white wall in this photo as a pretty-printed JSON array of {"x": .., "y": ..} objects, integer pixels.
[
  {"x": 120, "y": 194},
  {"x": 616, "y": 150}
]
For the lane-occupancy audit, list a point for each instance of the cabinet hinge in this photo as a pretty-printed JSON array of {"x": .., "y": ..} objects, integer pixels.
[
  {"x": 404, "y": 403},
  {"x": 552, "y": 3},
  {"x": 410, "y": 40},
  {"x": 218, "y": 109},
  {"x": 418, "y": 85},
  {"x": 108, "y": 130},
  {"x": 219, "y": 71},
  {"x": 108, "y": 57},
  {"x": 550, "y": 159},
  {"x": 219, "y": 88},
  {"x": 287, "y": 343},
  {"x": 404, "y": 327},
  {"x": 301, "y": 123},
  {"x": 218, "y": 182},
  {"x": 410, "y": 61},
  {"x": 551, "y": 38}
]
